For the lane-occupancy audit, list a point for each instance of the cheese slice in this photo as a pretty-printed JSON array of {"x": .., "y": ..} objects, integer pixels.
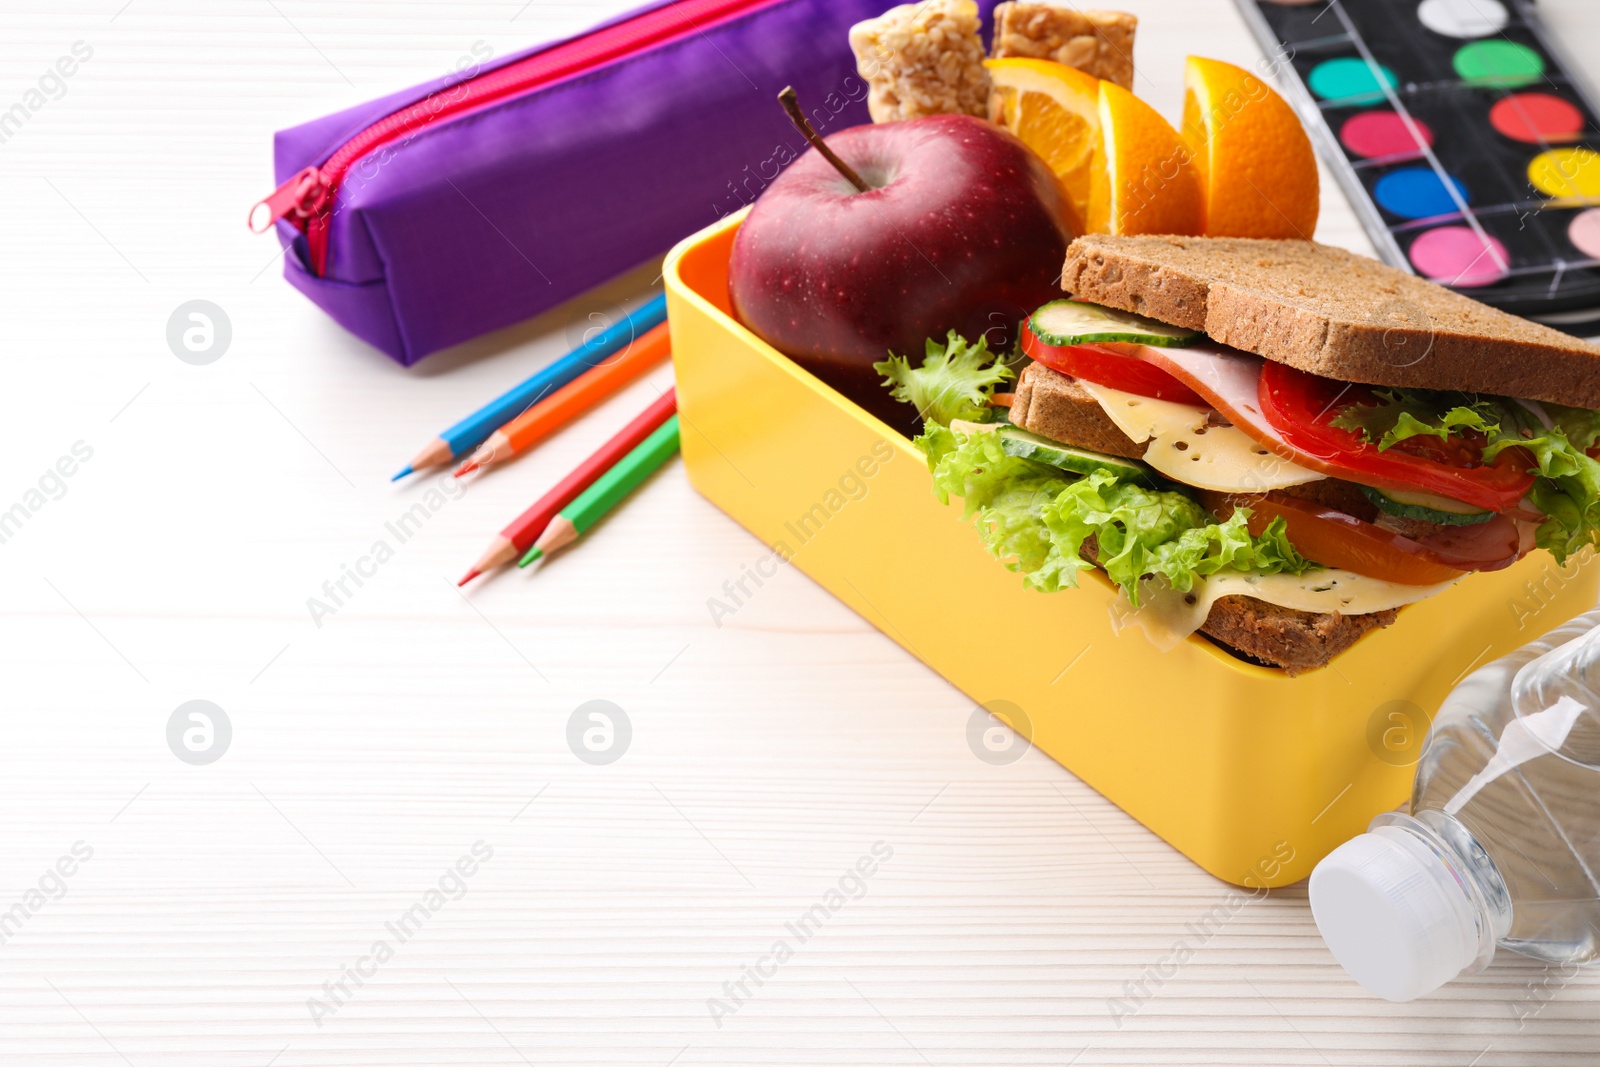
[
  {"x": 1144, "y": 417},
  {"x": 1167, "y": 616},
  {"x": 1186, "y": 449}
]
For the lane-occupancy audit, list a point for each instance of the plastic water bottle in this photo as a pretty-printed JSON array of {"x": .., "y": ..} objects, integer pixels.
[{"x": 1502, "y": 846}]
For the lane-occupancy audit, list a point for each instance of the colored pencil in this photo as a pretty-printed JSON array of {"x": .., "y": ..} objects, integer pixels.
[
  {"x": 475, "y": 429},
  {"x": 595, "y": 501},
  {"x": 525, "y": 529},
  {"x": 571, "y": 400}
]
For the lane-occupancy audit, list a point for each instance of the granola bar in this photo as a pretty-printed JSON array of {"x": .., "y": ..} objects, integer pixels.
[
  {"x": 1096, "y": 42},
  {"x": 922, "y": 59}
]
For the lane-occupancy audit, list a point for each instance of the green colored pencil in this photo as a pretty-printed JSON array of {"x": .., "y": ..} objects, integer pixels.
[{"x": 607, "y": 491}]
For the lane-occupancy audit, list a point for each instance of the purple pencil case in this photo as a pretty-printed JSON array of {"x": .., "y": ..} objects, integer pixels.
[{"x": 457, "y": 207}]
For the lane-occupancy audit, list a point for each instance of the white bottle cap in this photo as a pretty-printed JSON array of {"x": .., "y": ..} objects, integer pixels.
[{"x": 1393, "y": 915}]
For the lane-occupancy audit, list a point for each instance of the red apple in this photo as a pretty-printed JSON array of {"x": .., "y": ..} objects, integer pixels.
[{"x": 962, "y": 227}]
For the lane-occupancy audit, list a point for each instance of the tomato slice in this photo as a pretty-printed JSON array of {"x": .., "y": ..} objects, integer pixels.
[
  {"x": 1335, "y": 539},
  {"x": 1302, "y": 407},
  {"x": 1103, "y": 365}
]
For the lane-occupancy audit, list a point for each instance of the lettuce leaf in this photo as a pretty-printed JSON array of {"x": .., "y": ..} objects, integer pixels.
[
  {"x": 1143, "y": 532},
  {"x": 1581, "y": 426},
  {"x": 1403, "y": 413},
  {"x": 1036, "y": 519},
  {"x": 1007, "y": 497},
  {"x": 1568, "y": 490},
  {"x": 955, "y": 380},
  {"x": 1567, "y": 483}
]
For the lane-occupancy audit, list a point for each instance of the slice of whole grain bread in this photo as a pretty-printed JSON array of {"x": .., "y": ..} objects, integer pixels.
[
  {"x": 1054, "y": 405},
  {"x": 1296, "y": 641},
  {"x": 1333, "y": 313}
]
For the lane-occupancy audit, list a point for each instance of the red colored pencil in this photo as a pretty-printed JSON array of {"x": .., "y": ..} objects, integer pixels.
[{"x": 525, "y": 529}]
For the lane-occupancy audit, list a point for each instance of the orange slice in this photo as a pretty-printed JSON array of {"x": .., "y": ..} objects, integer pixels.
[
  {"x": 1053, "y": 109},
  {"x": 1142, "y": 179},
  {"x": 1253, "y": 159}
]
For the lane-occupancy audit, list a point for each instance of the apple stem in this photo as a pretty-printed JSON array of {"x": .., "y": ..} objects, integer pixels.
[{"x": 791, "y": 104}]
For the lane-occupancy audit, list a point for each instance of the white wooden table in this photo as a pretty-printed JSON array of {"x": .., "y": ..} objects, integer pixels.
[{"x": 1020, "y": 919}]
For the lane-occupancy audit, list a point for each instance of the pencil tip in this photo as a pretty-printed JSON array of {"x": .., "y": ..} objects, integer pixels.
[
  {"x": 402, "y": 474},
  {"x": 473, "y": 573},
  {"x": 533, "y": 554},
  {"x": 466, "y": 468}
]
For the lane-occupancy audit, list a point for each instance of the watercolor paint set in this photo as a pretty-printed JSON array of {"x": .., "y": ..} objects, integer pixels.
[{"x": 1462, "y": 137}]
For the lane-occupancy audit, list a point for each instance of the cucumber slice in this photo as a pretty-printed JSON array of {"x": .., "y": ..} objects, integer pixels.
[
  {"x": 1069, "y": 322},
  {"x": 1025, "y": 445},
  {"x": 1426, "y": 506}
]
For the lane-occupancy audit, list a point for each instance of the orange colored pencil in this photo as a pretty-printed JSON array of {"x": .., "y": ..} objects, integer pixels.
[{"x": 571, "y": 400}]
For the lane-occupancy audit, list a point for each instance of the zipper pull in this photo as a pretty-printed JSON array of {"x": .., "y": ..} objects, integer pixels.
[{"x": 300, "y": 196}]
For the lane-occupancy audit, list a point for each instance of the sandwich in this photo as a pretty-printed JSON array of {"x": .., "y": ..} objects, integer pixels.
[{"x": 1276, "y": 444}]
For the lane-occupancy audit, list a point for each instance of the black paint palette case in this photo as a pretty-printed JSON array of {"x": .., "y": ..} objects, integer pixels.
[{"x": 1463, "y": 138}]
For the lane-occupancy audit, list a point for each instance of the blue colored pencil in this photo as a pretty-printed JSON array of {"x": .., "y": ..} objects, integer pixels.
[{"x": 472, "y": 431}]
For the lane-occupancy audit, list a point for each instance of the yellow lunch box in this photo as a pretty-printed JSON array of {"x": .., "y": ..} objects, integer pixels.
[{"x": 1250, "y": 773}]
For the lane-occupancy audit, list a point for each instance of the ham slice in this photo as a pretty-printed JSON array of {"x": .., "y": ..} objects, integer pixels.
[{"x": 1484, "y": 546}]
